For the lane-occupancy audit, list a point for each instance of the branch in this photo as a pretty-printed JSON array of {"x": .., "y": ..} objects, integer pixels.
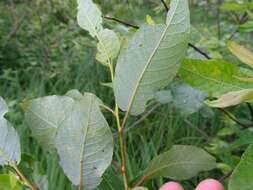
[
  {"x": 121, "y": 22},
  {"x": 165, "y": 6},
  {"x": 199, "y": 51}
]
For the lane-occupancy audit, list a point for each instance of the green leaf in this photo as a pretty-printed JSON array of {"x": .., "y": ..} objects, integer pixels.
[
  {"x": 241, "y": 53},
  {"x": 84, "y": 143},
  {"x": 151, "y": 59},
  {"x": 9, "y": 139},
  {"x": 232, "y": 99},
  {"x": 108, "y": 46},
  {"x": 238, "y": 7},
  {"x": 45, "y": 115},
  {"x": 243, "y": 175},
  {"x": 180, "y": 163},
  {"x": 214, "y": 77},
  {"x": 89, "y": 17}
]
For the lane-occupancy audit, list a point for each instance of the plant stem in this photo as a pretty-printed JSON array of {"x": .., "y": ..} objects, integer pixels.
[
  {"x": 107, "y": 108},
  {"x": 23, "y": 178},
  {"x": 121, "y": 137}
]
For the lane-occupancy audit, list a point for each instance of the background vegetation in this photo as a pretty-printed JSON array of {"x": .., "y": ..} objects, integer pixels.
[{"x": 43, "y": 51}]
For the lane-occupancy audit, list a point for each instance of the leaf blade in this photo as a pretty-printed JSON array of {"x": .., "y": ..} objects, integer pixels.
[
  {"x": 241, "y": 53},
  {"x": 10, "y": 152},
  {"x": 85, "y": 133},
  {"x": 242, "y": 175},
  {"x": 89, "y": 17},
  {"x": 180, "y": 163},
  {"x": 232, "y": 99},
  {"x": 148, "y": 63},
  {"x": 214, "y": 77}
]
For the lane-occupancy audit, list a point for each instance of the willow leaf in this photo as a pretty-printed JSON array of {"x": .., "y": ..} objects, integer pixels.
[
  {"x": 9, "y": 139},
  {"x": 84, "y": 143},
  {"x": 241, "y": 53},
  {"x": 108, "y": 46},
  {"x": 232, "y": 99},
  {"x": 89, "y": 17},
  {"x": 214, "y": 77},
  {"x": 180, "y": 163},
  {"x": 151, "y": 59},
  {"x": 243, "y": 175}
]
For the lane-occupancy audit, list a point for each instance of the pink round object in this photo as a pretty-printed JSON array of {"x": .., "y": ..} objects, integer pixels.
[
  {"x": 171, "y": 186},
  {"x": 210, "y": 184}
]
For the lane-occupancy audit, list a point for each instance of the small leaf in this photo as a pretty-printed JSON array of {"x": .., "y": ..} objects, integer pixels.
[
  {"x": 241, "y": 53},
  {"x": 232, "y": 99},
  {"x": 180, "y": 163},
  {"x": 214, "y": 77},
  {"x": 243, "y": 175},
  {"x": 84, "y": 143},
  {"x": 9, "y": 139},
  {"x": 150, "y": 20},
  {"x": 151, "y": 59},
  {"x": 89, "y": 17},
  {"x": 108, "y": 46}
]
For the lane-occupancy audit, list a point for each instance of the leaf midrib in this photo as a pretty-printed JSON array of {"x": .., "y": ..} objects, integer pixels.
[
  {"x": 149, "y": 62},
  {"x": 81, "y": 180}
]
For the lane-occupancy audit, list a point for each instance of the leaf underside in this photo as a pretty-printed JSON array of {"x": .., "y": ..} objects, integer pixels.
[
  {"x": 9, "y": 139},
  {"x": 84, "y": 143},
  {"x": 151, "y": 59}
]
